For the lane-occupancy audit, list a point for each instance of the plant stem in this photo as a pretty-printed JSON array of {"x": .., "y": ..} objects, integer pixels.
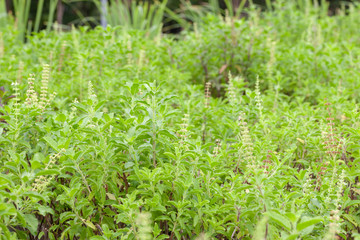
[
  {"x": 38, "y": 15},
  {"x": 154, "y": 130}
]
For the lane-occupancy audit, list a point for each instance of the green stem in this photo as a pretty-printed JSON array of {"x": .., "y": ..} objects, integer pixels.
[
  {"x": 154, "y": 130},
  {"x": 52, "y": 9},
  {"x": 38, "y": 15}
]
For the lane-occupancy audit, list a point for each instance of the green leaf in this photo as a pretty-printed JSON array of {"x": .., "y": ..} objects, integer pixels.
[
  {"x": 43, "y": 210},
  {"x": 351, "y": 203},
  {"x": 7, "y": 210},
  {"x": 6, "y": 232},
  {"x": 90, "y": 224},
  {"x": 98, "y": 238},
  {"x": 66, "y": 216},
  {"x": 156, "y": 229},
  {"x": 39, "y": 157},
  {"x": 61, "y": 117},
  {"x": 35, "y": 165},
  {"x": 52, "y": 143},
  {"x": 351, "y": 219},
  {"x": 196, "y": 220},
  {"x": 170, "y": 155},
  {"x": 162, "y": 236},
  {"x": 5, "y": 179},
  {"x": 48, "y": 172},
  {"x": 129, "y": 164},
  {"x": 80, "y": 106},
  {"x": 177, "y": 234},
  {"x": 163, "y": 218},
  {"x": 279, "y": 219},
  {"x": 167, "y": 134},
  {"x": 292, "y": 236},
  {"x": 100, "y": 104},
  {"x": 36, "y": 195},
  {"x": 31, "y": 223},
  {"x": 291, "y": 216},
  {"x": 308, "y": 223},
  {"x": 111, "y": 196}
]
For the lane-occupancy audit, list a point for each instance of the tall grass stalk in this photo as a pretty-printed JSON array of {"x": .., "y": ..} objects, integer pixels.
[
  {"x": 3, "y": 14},
  {"x": 190, "y": 13},
  {"x": 53, "y": 4},
  {"x": 22, "y": 10},
  {"x": 235, "y": 11},
  {"x": 103, "y": 13},
  {"x": 38, "y": 15},
  {"x": 141, "y": 16}
]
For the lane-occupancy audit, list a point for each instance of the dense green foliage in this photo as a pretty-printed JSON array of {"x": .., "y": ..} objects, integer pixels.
[{"x": 240, "y": 129}]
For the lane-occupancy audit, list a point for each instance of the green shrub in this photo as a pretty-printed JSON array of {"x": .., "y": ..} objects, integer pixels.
[{"x": 154, "y": 139}]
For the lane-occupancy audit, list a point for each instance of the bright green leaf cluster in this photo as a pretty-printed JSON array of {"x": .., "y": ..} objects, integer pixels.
[{"x": 154, "y": 139}]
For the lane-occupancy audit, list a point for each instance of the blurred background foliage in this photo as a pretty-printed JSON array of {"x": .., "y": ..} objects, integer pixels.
[{"x": 34, "y": 15}]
